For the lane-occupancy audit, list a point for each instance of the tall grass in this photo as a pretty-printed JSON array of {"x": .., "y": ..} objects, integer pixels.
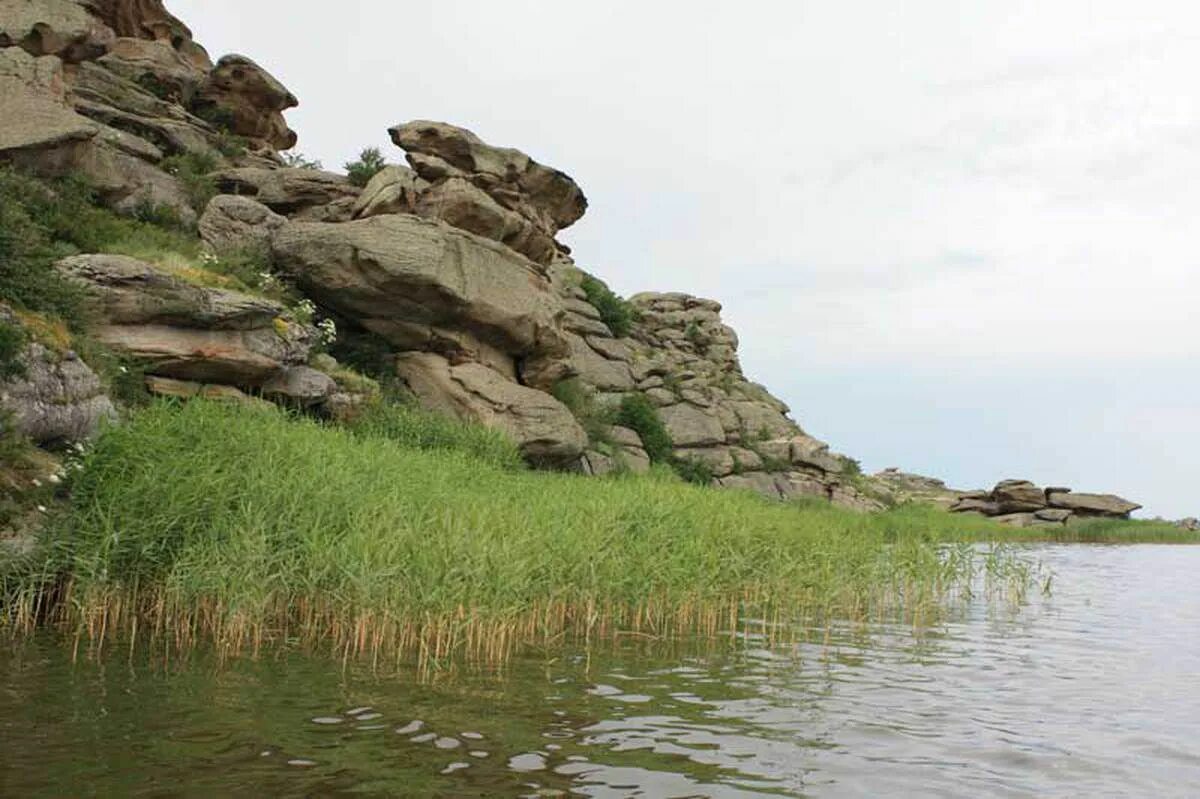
[{"x": 246, "y": 528}]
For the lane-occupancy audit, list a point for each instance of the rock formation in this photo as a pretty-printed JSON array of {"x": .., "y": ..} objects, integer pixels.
[
  {"x": 1020, "y": 503},
  {"x": 452, "y": 262},
  {"x": 52, "y": 396}
]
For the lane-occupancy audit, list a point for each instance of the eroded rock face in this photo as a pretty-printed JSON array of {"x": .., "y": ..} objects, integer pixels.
[
  {"x": 1021, "y": 503},
  {"x": 494, "y": 192},
  {"x": 683, "y": 359},
  {"x": 543, "y": 428},
  {"x": 252, "y": 99},
  {"x": 298, "y": 193},
  {"x": 231, "y": 223},
  {"x": 57, "y": 398},
  {"x": 189, "y": 332},
  {"x": 426, "y": 286},
  {"x": 63, "y": 28}
]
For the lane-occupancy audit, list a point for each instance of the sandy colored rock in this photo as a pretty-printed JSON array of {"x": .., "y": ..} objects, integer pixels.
[
  {"x": 394, "y": 273},
  {"x": 394, "y": 190},
  {"x": 691, "y": 427},
  {"x": 498, "y": 193},
  {"x": 58, "y": 398},
  {"x": 543, "y": 428},
  {"x": 252, "y": 100},
  {"x": 1094, "y": 504},
  {"x": 132, "y": 292},
  {"x": 231, "y": 223},
  {"x": 288, "y": 190},
  {"x": 63, "y": 28},
  {"x": 36, "y": 114}
]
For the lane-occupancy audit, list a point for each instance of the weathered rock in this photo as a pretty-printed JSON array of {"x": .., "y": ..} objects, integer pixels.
[
  {"x": 1018, "y": 496},
  {"x": 157, "y": 66},
  {"x": 394, "y": 190},
  {"x": 807, "y": 451},
  {"x": 498, "y": 193},
  {"x": 188, "y": 332},
  {"x": 1016, "y": 519},
  {"x": 231, "y": 223},
  {"x": 58, "y": 398},
  {"x": 36, "y": 113},
  {"x": 426, "y": 286},
  {"x": 543, "y": 428},
  {"x": 597, "y": 370},
  {"x": 1053, "y": 515},
  {"x": 63, "y": 28},
  {"x": 288, "y": 190},
  {"x": 692, "y": 427},
  {"x": 1094, "y": 504},
  {"x": 850, "y": 498},
  {"x": 252, "y": 100},
  {"x": 132, "y": 292},
  {"x": 1190, "y": 524},
  {"x": 972, "y": 505},
  {"x": 186, "y": 389},
  {"x": 300, "y": 384}
]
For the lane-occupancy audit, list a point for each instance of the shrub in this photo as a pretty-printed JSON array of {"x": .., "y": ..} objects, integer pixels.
[
  {"x": 615, "y": 312},
  {"x": 194, "y": 171},
  {"x": 415, "y": 428},
  {"x": 369, "y": 164},
  {"x": 300, "y": 161},
  {"x": 693, "y": 471},
  {"x": 593, "y": 416},
  {"x": 638, "y": 414},
  {"x": 12, "y": 344}
]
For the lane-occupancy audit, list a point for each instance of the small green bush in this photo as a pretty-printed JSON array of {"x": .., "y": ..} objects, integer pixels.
[
  {"x": 638, "y": 414},
  {"x": 44, "y": 221},
  {"x": 593, "y": 416},
  {"x": 194, "y": 171},
  {"x": 12, "y": 344},
  {"x": 615, "y": 312},
  {"x": 369, "y": 164},
  {"x": 300, "y": 161},
  {"x": 693, "y": 471},
  {"x": 415, "y": 428}
]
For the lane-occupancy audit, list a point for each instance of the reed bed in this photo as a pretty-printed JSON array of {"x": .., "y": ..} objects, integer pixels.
[{"x": 251, "y": 530}]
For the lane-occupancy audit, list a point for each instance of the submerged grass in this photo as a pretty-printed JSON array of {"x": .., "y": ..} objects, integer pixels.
[{"x": 250, "y": 529}]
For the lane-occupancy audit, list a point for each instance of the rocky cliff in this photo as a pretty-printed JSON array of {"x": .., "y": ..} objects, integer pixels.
[{"x": 451, "y": 262}]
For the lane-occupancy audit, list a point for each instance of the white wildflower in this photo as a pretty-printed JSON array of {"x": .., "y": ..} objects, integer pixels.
[{"x": 41, "y": 508}]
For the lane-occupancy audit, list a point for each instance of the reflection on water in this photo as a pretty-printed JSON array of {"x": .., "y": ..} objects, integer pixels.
[{"x": 1094, "y": 691}]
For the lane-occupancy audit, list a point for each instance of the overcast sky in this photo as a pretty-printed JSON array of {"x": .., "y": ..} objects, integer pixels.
[{"x": 958, "y": 238}]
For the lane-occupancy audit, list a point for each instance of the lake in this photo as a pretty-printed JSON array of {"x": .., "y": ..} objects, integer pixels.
[{"x": 1092, "y": 690}]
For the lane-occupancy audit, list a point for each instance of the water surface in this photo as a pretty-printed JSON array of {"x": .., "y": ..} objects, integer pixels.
[{"x": 1093, "y": 691}]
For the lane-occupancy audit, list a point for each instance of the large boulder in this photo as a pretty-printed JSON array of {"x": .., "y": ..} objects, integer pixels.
[
  {"x": 542, "y": 427},
  {"x": 690, "y": 426},
  {"x": 427, "y": 286},
  {"x": 1018, "y": 496},
  {"x": 231, "y": 223},
  {"x": 185, "y": 331},
  {"x": 495, "y": 192},
  {"x": 1093, "y": 504},
  {"x": 53, "y": 397},
  {"x": 290, "y": 190},
  {"x": 393, "y": 190},
  {"x": 251, "y": 101}
]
